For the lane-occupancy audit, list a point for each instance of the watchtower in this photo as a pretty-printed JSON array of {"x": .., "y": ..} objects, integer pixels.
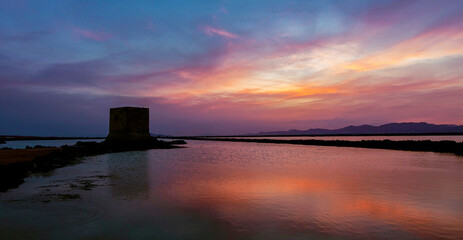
[{"x": 128, "y": 123}]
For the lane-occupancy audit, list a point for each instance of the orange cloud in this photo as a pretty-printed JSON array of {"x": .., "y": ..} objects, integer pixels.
[{"x": 434, "y": 44}]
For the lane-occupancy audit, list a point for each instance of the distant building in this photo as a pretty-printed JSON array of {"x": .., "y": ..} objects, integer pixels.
[{"x": 129, "y": 123}]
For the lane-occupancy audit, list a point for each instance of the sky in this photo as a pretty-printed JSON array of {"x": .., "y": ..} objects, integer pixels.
[{"x": 228, "y": 67}]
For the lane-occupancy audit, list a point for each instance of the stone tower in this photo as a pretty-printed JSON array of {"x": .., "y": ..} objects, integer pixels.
[{"x": 129, "y": 123}]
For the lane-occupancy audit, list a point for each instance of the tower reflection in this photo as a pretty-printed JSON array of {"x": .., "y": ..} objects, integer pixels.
[{"x": 129, "y": 173}]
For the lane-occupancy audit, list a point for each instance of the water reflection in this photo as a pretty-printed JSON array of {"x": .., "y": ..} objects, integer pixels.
[
  {"x": 214, "y": 190},
  {"x": 389, "y": 196},
  {"x": 129, "y": 175},
  {"x": 457, "y": 138}
]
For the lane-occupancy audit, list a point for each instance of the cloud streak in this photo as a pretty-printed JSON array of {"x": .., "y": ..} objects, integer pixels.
[
  {"x": 96, "y": 36},
  {"x": 247, "y": 69},
  {"x": 211, "y": 31}
]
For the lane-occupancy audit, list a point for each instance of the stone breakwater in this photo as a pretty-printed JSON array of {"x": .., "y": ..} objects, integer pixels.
[{"x": 18, "y": 164}]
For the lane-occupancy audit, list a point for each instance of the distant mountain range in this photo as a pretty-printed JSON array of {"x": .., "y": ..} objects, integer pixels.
[{"x": 390, "y": 128}]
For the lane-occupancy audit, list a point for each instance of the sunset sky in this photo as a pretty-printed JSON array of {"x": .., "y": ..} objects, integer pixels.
[{"x": 228, "y": 67}]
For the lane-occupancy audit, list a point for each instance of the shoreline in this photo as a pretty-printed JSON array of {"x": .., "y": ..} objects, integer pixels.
[
  {"x": 6, "y": 138},
  {"x": 330, "y": 135},
  {"x": 405, "y": 145},
  {"x": 17, "y": 164}
]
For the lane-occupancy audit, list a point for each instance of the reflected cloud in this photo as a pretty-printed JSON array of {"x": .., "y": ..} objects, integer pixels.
[{"x": 318, "y": 201}]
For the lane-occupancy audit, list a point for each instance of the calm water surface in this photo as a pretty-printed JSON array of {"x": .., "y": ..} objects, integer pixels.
[
  {"x": 457, "y": 138},
  {"x": 225, "y": 190}
]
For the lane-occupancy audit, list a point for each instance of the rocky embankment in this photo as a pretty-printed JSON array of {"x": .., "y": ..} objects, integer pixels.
[{"x": 17, "y": 164}]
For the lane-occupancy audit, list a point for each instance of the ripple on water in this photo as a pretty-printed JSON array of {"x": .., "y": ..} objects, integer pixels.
[{"x": 40, "y": 221}]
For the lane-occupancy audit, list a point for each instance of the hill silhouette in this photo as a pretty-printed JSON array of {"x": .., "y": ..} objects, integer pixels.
[{"x": 390, "y": 128}]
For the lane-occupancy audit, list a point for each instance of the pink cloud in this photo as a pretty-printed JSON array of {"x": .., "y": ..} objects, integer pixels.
[
  {"x": 220, "y": 32},
  {"x": 97, "y": 36}
]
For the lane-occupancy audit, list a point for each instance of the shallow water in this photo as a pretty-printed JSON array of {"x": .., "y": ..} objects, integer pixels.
[
  {"x": 225, "y": 190},
  {"x": 456, "y": 138}
]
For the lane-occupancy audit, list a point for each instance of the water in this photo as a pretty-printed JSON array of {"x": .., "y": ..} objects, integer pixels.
[
  {"x": 226, "y": 190},
  {"x": 49, "y": 143},
  {"x": 457, "y": 138},
  {"x": 58, "y": 143}
]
